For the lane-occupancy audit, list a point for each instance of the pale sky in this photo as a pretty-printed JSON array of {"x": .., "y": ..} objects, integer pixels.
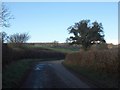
[{"x": 48, "y": 21}]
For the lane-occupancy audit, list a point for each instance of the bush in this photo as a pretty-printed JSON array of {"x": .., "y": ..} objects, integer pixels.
[
  {"x": 99, "y": 66},
  {"x": 12, "y": 53},
  {"x": 99, "y": 60}
]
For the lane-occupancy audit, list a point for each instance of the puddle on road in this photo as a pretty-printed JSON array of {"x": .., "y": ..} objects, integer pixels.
[
  {"x": 43, "y": 76},
  {"x": 41, "y": 66},
  {"x": 37, "y": 68}
]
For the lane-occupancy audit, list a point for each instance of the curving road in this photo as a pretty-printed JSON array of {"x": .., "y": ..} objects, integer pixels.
[{"x": 52, "y": 74}]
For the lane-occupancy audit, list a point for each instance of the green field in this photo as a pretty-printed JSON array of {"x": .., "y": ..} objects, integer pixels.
[{"x": 59, "y": 49}]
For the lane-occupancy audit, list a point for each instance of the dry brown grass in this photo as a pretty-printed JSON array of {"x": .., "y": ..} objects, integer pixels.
[{"x": 99, "y": 60}]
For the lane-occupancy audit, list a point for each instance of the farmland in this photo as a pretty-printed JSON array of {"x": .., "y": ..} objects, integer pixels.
[{"x": 97, "y": 65}]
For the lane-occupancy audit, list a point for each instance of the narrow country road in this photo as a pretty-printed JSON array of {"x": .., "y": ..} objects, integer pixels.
[{"x": 52, "y": 74}]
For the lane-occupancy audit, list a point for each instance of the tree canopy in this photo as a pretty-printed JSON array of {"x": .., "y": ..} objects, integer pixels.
[{"x": 86, "y": 33}]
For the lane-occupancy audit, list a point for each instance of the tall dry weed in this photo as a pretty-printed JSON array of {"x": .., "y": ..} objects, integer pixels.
[{"x": 99, "y": 60}]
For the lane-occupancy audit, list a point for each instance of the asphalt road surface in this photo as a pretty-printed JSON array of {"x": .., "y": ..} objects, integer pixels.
[{"x": 52, "y": 74}]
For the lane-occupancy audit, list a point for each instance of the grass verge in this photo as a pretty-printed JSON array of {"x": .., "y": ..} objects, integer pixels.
[
  {"x": 99, "y": 79},
  {"x": 13, "y": 74}
]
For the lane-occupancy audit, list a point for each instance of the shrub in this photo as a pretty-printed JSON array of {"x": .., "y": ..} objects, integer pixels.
[
  {"x": 99, "y": 60},
  {"x": 12, "y": 53}
]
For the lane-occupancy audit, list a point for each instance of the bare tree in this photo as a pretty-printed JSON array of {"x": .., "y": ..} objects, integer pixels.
[
  {"x": 18, "y": 38},
  {"x": 4, "y": 36},
  {"x": 5, "y": 16},
  {"x": 55, "y": 43}
]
